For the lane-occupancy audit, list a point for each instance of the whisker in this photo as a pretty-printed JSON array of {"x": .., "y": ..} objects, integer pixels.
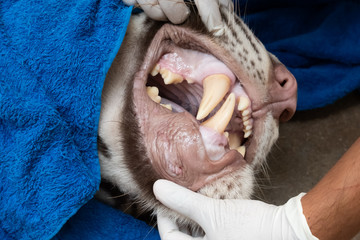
[{"x": 118, "y": 196}]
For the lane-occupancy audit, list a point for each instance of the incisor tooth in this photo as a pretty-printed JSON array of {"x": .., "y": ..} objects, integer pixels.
[
  {"x": 234, "y": 141},
  {"x": 215, "y": 88},
  {"x": 170, "y": 77},
  {"x": 221, "y": 119},
  {"x": 155, "y": 70},
  {"x": 168, "y": 106},
  {"x": 247, "y": 133},
  {"x": 241, "y": 150},
  {"x": 246, "y": 112},
  {"x": 244, "y": 103},
  {"x": 153, "y": 93}
]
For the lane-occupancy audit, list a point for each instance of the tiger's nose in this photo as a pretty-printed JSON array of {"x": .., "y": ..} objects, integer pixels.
[{"x": 284, "y": 93}]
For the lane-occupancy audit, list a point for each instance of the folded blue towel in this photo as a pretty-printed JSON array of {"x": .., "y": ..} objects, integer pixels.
[
  {"x": 318, "y": 40},
  {"x": 53, "y": 60}
]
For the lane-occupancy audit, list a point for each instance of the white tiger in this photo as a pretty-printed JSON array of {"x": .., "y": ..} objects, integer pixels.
[{"x": 192, "y": 106}]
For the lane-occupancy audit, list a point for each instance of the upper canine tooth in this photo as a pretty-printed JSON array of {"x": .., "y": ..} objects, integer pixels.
[
  {"x": 244, "y": 102},
  {"x": 170, "y": 77},
  {"x": 221, "y": 119},
  {"x": 155, "y": 70},
  {"x": 153, "y": 93},
  {"x": 215, "y": 88}
]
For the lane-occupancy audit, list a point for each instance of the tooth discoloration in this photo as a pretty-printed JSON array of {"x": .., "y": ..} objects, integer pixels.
[
  {"x": 221, "y": 119},
  {"x": 215, "y": 88},
  {"x": 170, "y": 77},
  {"x": 153, "y": 93},
  {"x": 155, "y": 70}
]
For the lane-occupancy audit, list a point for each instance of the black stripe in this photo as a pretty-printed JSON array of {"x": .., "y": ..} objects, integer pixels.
[{"x": 102, "y": 147}]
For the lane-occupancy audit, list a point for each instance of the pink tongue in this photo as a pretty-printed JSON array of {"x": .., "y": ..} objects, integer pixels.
[{"x": 193, "y": 65}]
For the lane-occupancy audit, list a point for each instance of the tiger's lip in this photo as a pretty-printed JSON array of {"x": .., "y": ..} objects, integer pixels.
[{"x": 168, "y": 37}]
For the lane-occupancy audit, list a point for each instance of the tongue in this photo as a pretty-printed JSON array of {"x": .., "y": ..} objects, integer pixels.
[{"x": 193, "y": 65}]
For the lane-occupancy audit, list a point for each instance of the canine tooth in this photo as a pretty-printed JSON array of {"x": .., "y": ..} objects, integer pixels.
[
  {"x": 234, "y": 141},
  {"x": 241, "y": 150},
  {"x": 226, "y": 134},
  {"x": 168, "y": 106},
  {"x": 247, "y": 133},
  {"x": 153, "y": 93},
  {"x": 244, "y": 102},
  {"x": 215, "y": 88},
  {"x": 155, "y": 70},
  {"x": 170, "y": 77},
  {"x": 221, "y": 119}
]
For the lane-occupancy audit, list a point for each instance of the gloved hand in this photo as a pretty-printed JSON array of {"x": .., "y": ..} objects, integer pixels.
[
  {"x": 177, "y": 12},
  {"x": 230, "y": 219}
]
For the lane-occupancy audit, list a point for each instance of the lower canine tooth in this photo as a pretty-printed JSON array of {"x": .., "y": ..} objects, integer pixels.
[
  {"x": 170, "y": 77},
  {"x": 215, "y": 88},
  {"x": 155, "y": 70},
  {"x": 234, "y": 140},
  {"x": 153, "y": 93},
  {"x": 221, "y": 119},
  {"x": 241, "y": 150}
]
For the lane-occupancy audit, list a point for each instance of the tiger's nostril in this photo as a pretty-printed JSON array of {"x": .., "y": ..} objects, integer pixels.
[
  {"x": 284, "y": 93},
  {"x": 283, "y": 83}
]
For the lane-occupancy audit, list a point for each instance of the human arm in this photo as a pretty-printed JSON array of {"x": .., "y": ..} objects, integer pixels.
[{"x": 332, "y": 207}]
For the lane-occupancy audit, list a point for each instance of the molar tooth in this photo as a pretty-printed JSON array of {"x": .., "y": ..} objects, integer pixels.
[
  {"x": 244, "y": 102},
  {"x": 221, "y": 119},
  {"x": 247, "y": 133},
  {"x": 155, "y": 70},
  {"x": 153, "y": 93},
  {"x": 170, "y": 77},
  {"x": 168, "y": 106},
  {"x": 241, "y": 150},
  {"x": 215, "y": 88}
]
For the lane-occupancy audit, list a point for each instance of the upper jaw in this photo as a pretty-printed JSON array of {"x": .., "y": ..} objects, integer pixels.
[{"x": 166, "y": 39}]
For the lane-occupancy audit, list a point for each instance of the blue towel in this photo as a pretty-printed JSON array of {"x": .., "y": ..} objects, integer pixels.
[
  {"x": 53, "y": 60},
  {"x": 54, "y": 56},
  {"x": 318, "y": 40}
]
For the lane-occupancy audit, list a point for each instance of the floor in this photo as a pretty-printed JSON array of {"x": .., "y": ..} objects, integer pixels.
[{"x": 309, "y": 145}]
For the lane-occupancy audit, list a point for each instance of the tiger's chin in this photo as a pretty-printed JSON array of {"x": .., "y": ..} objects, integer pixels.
[{"x": 190, "y": 111}]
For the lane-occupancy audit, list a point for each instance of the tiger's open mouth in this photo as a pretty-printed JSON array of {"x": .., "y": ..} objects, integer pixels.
[{"x": 193, "y": 109}]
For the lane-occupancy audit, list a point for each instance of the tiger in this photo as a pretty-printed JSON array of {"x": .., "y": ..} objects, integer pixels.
[{"x": 193, "y": 106}]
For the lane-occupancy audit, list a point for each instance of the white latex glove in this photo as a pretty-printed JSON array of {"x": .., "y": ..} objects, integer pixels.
[
  {"x": 177, "y": 12},
  {"x": 230, "y": 219}
]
